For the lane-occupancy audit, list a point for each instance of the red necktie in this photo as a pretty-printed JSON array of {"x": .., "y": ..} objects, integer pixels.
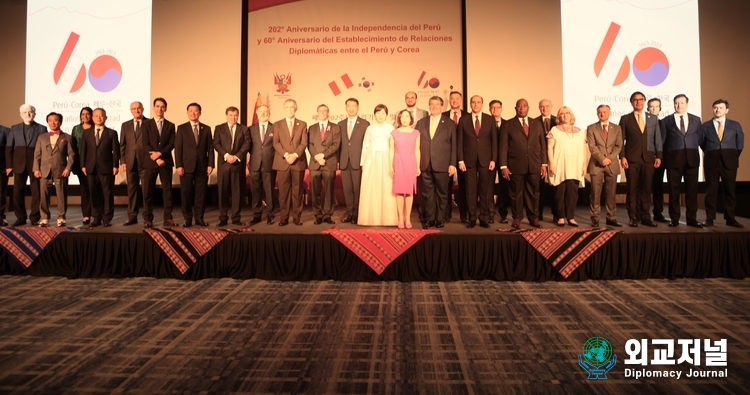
[
  {"x": 606, "y": 132},
  {"x": 322, "y": 132},
  {"x": 476, "y": 126},
  {"x": 455, "y": 118},
  {"x": 525, "y": 127}
]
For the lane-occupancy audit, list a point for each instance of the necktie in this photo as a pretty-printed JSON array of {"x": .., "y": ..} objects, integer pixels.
[
  {"x": 721, "y": 131},
  {"x": 290, "y": 125},
  {"x": 159, "y": 126},
  {"x": 605, "y": 132},
  {"x": 137, "y": 129},
  {"x": 546, "y": 125},
  {"x": 98, "y": 135},
  {"x": 455, "y": 117},
  {"x": 476, "y": 126},
  {"x": 322, "y": 132},
  {"x": 525, "y": 127},
  {"x": 433, "y": 128},
  {"x": 639, "y": 117},
  {"x": 682, "y": 124},
  {"x": 262, "y": 133},
  {"x": 195, "y": 133},
  {"x": 349, "y": 130},
  {"x": 231, "y": 137}
]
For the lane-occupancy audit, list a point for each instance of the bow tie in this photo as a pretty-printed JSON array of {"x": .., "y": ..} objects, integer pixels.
[{"x": 54, "y": 132}]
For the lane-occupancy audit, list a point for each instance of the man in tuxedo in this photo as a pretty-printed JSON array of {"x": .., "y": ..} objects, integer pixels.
[
  {"x": 498, "y": 185},
  {"x": 455, "y": 113},
  {"x": 657, "y": 187},
  {"x": 605, "y": 142},
  {"x": 100, "y": 159},
  {"x": 53, "y": 162},
  {"x": 352, "y": 134},
  {"x": 3, "y": 176},
  {"x": 130, "y": 149},
  {"x": 681, "y": 159},
  {"x": 523, "y": 162},
  {"x": 723, "y": 141},
  {"x": 19, "y": 159},
  {"x": 262, "y": 174},
  {"x": 157, "y": 143},
  {"x": 642, "y": 154},
  {"x": 289, "y": 142},
  {"x": 324, "y": 140},
  {"x": 437, "y": 153},
  {"x": 547, "y": 191},
  {"x": 232, "y": 143},
  {"x": 477, "y": 154},
  {"x": 194, "y": 159}
]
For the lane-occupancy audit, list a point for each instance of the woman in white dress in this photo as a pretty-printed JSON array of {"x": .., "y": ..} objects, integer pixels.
[
  {"x": 377, "y": 203},
  {"x": 567, "y": 154}
]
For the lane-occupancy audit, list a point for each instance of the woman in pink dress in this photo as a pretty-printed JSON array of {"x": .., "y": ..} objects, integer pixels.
[{"x": 404, "y": 157}]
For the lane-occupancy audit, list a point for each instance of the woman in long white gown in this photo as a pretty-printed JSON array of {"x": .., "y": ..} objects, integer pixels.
[{"x": 377, "y": 203}]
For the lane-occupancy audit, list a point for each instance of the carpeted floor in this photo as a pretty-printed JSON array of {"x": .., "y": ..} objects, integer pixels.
[{"x": 148, "y": 336}]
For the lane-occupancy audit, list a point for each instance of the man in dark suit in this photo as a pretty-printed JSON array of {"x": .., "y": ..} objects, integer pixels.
[
  {"x": 157, "y": 144},
  {"x": 605, "y": 143},
  {"x": 53, "y": 162},
  {"x": 130, "y": 149},
  {"x": 657, "y": 186},
  {"x": 641, "y": 155},
  {"x": 477, "y": 154},
  {"x": 100, "y": 159},
  {"x": 523, "y": 162},
  {"x": 324, "y": 140},
  {"x": 232, "y": 143},
  {"x": 194, "y": 159},
  {"x": 290, "y": 141},
  {"x": 498, "y": 185},
  {"x": 3, "y": 176},
  {"x": 352, "y": 134},
  {"x": 19, "y": 159},
  {"x": 547, "y": 191},
  {"x": 437, "y": 153},
  {"x": 723, "y": 141},
  {"x": 262, "y": 174},
  {"x": 681, "y": 159},
  {"x": 455, "y": 113}
]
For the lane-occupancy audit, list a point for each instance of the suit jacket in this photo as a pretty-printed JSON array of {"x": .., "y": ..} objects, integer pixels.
[
  {"x": 418, "y": 115},
  {"x": 641, "y": 147},
  {"x": 519, "y": 153},
  {"x": 472, "y": 147},
  {"x": 351, "y": 148},
  {"x": 54, "y": 159},
  {"x": 261, "y": 153},
  {"x": 152, "y": 141},
  {"x": 102, "y": 158},
  {"x": 682, "y": 149},
  {"x": 439, "y": 151},
  {"x": 130, "y": 145},
  {"x": 192, "y": 156},
  {"x": 3, "y": 141},
  {"x": 225, "y": 146},
  {"x": 295, "y": 143},
  {"x": 329, "y": 147},
  {"x": 552, "y": 121},
  {"x": 19, "y": 153},
  {"x": 725, "y": 152},
  {"x": 448, "y": 114},
  {"x": 601, "y": 149}
]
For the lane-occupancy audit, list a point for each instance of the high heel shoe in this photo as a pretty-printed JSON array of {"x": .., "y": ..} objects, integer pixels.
[
  {"x": 573, "y": 224},
  {"x": 400, "y": 225},
  {"x": 408, "y": 226}
]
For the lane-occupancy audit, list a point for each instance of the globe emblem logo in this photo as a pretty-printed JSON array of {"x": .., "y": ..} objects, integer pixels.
[
  {"x": 597, "y": 358},
  {"x": 612, "y": 65}
]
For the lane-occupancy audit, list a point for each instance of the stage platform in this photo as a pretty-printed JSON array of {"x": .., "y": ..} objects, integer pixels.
[{"x": 300, "y": 253}]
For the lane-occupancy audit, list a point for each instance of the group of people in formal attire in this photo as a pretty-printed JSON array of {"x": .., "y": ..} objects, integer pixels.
[{"x": 502, "y": 166}]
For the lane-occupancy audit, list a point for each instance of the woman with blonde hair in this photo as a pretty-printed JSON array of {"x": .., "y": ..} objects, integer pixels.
[{"x": 567, "y": 154}]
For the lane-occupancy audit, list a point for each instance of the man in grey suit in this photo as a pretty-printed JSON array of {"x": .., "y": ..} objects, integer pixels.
[
  {"x": 352, "y": 134},
  {"x": 324, "y": 140},
  {"x": 437, "y": 155},
  {"x": 641, "y": 155},
  {"x": 19, "y": 158},
  {"x": 262, "y": 174},
  {"x": 53, "y": 162},
  {"x": 605, "y": 142},
  {"x": 130, "y": 150},
  {"x": 411, "y": 105}
]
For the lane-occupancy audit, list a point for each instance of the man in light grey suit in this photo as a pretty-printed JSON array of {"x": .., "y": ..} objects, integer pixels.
[
  {"x": 324, "y": 140},
  {"x": 411, "y": 105},
  {"x": 53, "y": 162},
  {"x": 352, "y": 134},
  {"x": 437, "y": 155},
  {"x": 605, "y": 142}
]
